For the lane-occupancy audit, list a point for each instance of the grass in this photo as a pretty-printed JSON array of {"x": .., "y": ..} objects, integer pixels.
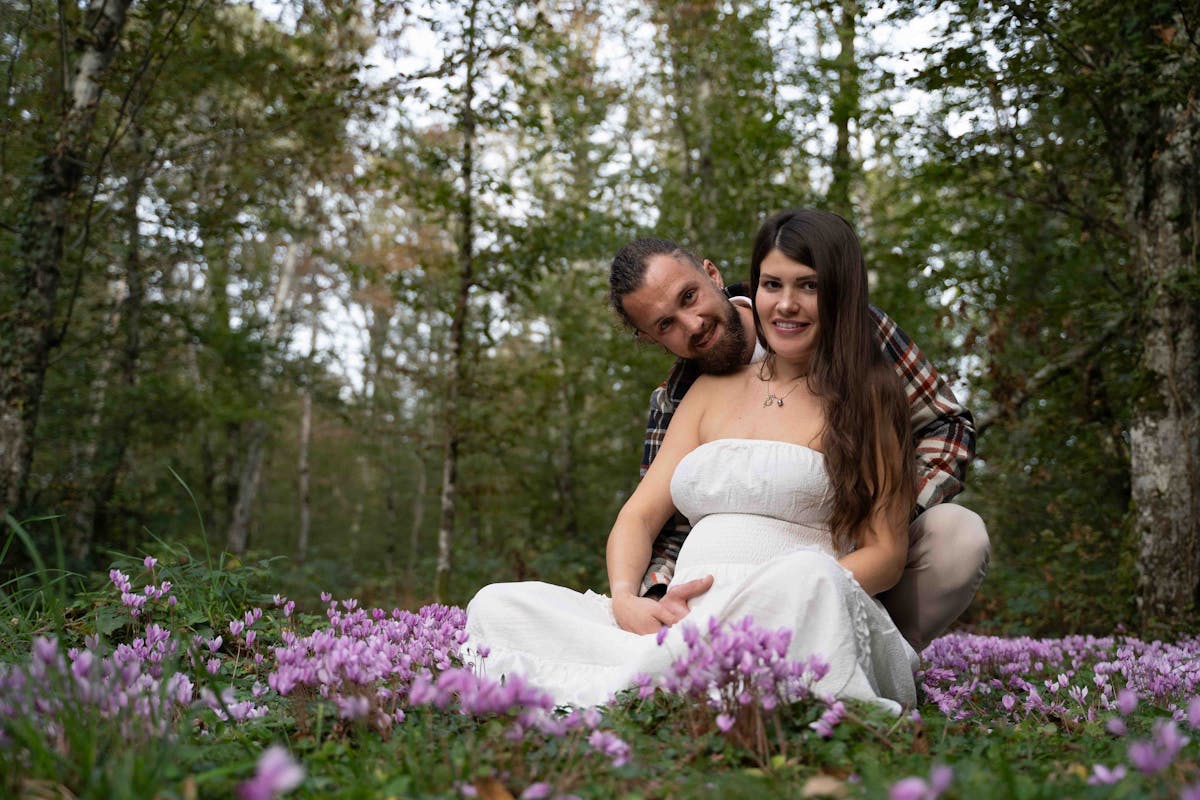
[{"x": 57, "y": 740}]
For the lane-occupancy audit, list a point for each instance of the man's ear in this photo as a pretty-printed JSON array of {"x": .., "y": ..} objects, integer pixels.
[{"x": 714, "y": 274}]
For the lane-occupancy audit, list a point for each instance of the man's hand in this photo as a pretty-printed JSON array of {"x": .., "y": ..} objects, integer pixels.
[
  {"x": 643, "y": 615},
  {"x": 639, "y": 614},
  {"x": 675, "y": 601}
]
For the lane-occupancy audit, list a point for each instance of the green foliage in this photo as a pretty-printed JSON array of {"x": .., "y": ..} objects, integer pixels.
[
  {"x": 677, "y": 751},
  {"x": 994, "y": 222}
]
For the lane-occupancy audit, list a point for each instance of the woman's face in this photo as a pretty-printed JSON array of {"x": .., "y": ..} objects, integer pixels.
[{"x": 786, "y": 303}]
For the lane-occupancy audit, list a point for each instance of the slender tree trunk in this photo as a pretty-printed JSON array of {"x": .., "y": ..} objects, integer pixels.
[
  {"x": 302, "y": 468},
  {"x": 418, "y": 519},
  {"x": 302, "y": 487},
  {"x": 845, "y": 110},
  {"x": 27, "y": 318},
  {"x": 692, "y": 84},
  {"x": 1165, "y": 435},
  {"x": 113, "y": 417},
  {"x": 458, "y": 324},
  {"x": 237, "y": 538}
]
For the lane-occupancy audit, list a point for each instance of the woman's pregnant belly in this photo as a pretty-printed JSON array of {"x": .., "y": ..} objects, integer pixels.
[{"x": 745, "y": 539}]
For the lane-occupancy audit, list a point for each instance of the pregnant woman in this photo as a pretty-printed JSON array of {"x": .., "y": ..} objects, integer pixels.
[{"x": 797, "y": 476}]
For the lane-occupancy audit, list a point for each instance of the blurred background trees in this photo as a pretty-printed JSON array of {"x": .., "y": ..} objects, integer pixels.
[{"x": 338, "y": 269}]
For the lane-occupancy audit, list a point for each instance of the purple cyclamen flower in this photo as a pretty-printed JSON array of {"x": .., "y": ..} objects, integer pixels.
[
  {"x": 236, "y": 626},
  {"x": 1116, "y": 726},
  {"x": 1155, "y": 756},
  {"x": 611, "y": 745},
  {"x": 149, "y": 562},
  {"x": 45, "y": 650},
  {"x": 914, "y": 788},
  {"x": 1190, "y": 792},
  {"x": 1127, "y": 701},
  {"x": 537, "y": 791},
  {"x": 1102, "y": 775},
  {"x": 1193, "y": 712},
  {"x": 277, "y": 772}
]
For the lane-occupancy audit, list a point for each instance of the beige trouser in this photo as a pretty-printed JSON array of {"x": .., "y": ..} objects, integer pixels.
[{"x": 948, "y": 553}]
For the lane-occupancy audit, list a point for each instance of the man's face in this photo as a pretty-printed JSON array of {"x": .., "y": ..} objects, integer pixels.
[{"x": 685, "y": 311}]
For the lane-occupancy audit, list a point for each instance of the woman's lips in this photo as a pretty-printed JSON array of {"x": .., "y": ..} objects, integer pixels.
[{"x": 789, "y": 327}]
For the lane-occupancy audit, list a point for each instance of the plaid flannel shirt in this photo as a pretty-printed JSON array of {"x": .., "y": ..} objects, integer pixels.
[{"x": 943, "y": 432}]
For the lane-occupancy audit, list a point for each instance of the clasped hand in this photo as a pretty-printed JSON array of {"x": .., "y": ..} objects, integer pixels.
[{"x": 643, "y": 615}]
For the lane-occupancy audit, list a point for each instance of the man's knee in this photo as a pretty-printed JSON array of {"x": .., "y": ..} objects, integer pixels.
[{"x": 949, "y": 536}]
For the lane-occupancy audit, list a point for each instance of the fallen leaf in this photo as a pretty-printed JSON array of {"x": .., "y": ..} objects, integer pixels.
[
  {"x": 823, "y": 786},
  {"x": 920, "y": 742},
  {"x": 492, "y": 789}
]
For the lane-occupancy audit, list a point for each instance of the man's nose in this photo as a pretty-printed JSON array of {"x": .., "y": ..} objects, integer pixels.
[{"x": 694, "y": 323}]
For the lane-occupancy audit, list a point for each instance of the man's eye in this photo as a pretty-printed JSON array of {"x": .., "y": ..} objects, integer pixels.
[
  {"x": 688, "y": 295},
  {"x": 664, "y": 325}
]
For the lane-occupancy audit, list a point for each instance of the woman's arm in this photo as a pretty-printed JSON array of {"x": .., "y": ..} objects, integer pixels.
[
  {"x": 879, "y": 561},
  {"x": 882, "y": 551},
  {"x": 643, "y": 515}
]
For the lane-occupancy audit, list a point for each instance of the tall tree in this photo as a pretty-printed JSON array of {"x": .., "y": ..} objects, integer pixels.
[
  {"x": 727, "y": 156},
  {"x": 844, "y": 110},
  {"x": 1085, "y": 114},
  {"x": 29, "y": 325}
]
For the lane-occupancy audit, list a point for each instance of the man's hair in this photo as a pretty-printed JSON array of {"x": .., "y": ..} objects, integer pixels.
[{"x": 628, "y": 271}]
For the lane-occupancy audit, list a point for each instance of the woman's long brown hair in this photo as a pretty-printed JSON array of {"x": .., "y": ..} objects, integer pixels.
[{"x": 868, "y": 437}]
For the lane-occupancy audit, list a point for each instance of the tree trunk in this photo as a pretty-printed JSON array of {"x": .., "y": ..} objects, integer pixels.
[
  {"x": 237, "y": 538},
  {"x": 302, "y": 468},
  {"x": 27, "y": 320},
  {"x": 845, "y": 110},
  {"x": 1165, "y": 434},
  {"x": 458, "y": 325},
  {"x": 113, "y": 417},
  {"x": 418, "y": 519},
  {"x": 302, "y": 488}
]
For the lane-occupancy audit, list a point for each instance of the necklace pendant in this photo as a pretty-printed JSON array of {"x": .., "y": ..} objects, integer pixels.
[
  {"x": 770, "y": 399},
  {"x": 779, "y": 402}
]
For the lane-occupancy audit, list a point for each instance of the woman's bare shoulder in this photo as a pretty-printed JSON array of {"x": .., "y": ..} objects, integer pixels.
[
  {"x": 730, "y": 381},
  {"x": 719, "y": 390}
]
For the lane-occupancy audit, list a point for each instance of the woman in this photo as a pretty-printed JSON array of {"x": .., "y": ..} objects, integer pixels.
[{"x": 797, "y": 475}]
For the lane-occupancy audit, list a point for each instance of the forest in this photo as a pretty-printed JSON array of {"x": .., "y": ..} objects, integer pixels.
[{"x": 318, "y": 288}]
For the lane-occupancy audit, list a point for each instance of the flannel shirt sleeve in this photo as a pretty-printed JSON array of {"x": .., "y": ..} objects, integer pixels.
[
  {"x": 665, "y": 550},
  {"x": 943, "y": 429}
]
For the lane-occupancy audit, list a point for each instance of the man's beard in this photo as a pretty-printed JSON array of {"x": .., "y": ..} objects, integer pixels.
[{"x": 725, "y": 355}]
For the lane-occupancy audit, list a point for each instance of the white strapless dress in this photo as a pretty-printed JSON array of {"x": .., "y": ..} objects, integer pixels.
[{"x": 759, "y": 511}]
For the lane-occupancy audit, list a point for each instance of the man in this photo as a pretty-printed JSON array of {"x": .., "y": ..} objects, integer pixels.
[{"x": 674, "y": 299}]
